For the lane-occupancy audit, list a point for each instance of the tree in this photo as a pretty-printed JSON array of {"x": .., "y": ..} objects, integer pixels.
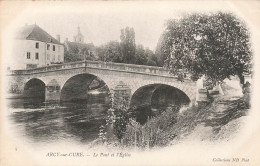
[
  {"x": 111, "y": 52},
  {"x": 122, "y": 115},
  {"x": 162, "y": 49},
  {"x": 141, "y": 57},
  {"x": 215, "y": 45},
  {"x": 100, "y": 51},
  {"x": 153, "y": 59},
  {"x": 126, "y": 51},
  {"x": 127, "y": 44}
]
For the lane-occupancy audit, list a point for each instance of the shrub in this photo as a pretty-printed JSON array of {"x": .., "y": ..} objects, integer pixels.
[{"x": 153, "y": 133}]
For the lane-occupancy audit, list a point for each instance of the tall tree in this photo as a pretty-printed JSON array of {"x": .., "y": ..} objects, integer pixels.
[
  {"x": 215, "y": 45},
  {"x": 162, "y": 49},
  {"x": 127, "y": 44},
  {"x": 141, "y": 58},
  {"x": 152, "y": 58}
]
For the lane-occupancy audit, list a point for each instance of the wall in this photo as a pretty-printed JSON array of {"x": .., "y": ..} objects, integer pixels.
[
  {"x": 54, "y": 55},
  {"x": 21, "y": 47}
]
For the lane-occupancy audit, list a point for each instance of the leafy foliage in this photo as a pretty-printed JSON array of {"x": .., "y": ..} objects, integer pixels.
[
  {"x": 122, "y": 115},
  {"x": 141, "y": 57},
  {"x": 215, "y": 45},
  {"x": 126, "y": 51},
  {"x": 127, "y": 44},
  {"x": 153, "y": 133},
  {"x": 102, "y": 134},
  {"x": 111, "y": 52}
]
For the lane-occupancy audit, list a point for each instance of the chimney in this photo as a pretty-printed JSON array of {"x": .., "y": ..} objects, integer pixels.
[{"x": 58, "y": 37}]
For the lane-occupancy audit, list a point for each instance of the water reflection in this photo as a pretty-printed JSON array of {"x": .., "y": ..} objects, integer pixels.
[
  {"x": 78, "y": 121},
  {"x": 42, "y": 122}
]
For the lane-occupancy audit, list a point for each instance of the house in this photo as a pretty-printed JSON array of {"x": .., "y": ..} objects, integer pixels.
[
  {"x": 34, "y": 47},
  {"x": 78, "y": 50}
]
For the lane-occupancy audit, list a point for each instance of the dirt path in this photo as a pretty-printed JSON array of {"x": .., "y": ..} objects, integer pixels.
[{"x": 221, "y": 120}]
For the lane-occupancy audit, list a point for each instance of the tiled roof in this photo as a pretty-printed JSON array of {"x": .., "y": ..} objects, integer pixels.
[{"x": 34, "y": 32}]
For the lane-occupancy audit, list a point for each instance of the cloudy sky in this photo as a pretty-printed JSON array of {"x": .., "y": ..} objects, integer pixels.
[{"x": 101, "y": 22}]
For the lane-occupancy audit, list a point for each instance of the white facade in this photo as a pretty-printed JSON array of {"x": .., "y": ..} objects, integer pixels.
[{"x": 30, "y": 54}]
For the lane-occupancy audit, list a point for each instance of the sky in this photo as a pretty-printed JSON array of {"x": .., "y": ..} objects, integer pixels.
[{"x": 101, "y": 22}]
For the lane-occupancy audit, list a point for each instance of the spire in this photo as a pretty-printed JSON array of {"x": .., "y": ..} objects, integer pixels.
[
  {"x": 79, "y": 38},
  {"x": 79, "y": 30}
]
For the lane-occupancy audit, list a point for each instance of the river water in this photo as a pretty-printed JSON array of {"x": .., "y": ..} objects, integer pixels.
[
  {"x": 37, "y": 121},
  {"x": 40, "y": 122}
]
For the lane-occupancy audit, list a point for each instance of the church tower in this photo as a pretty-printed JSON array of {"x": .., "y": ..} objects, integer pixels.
[{"x": 79, "y": 38}]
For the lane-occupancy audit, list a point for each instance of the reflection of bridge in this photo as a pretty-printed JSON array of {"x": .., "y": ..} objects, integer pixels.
[{"x": 62, "y": 82}]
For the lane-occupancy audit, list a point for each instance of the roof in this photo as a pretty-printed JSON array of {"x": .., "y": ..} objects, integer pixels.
[
  {"x": 74, "y": 47},
  {"x": 34, "y": 32}
]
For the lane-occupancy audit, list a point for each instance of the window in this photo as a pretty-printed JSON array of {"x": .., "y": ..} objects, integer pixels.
[
  {"x": 36, "y": 55},
  {"x": 48, "y": 47},
  {"x": 59, "y": 58},
  {"x": 36, "y": 45},
  {"x": 28, "y": 55},
  {"x": 53, "y": 47},
  {"x": 53, "y": 58},
  {"x": 48, "y": 56}
]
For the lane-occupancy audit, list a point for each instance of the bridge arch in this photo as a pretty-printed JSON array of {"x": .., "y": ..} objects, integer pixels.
[
  {"x": 78, "y": 87},
  {"x": 151, "y": 99},
  {"x": 34, "y": 88},
  {"x": 145, "y": 94}
]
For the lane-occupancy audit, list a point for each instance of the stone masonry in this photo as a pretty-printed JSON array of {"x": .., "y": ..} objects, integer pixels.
[{"x": 134, "y": 76}]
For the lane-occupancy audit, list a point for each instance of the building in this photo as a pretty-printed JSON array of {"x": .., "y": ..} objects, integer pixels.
[
  {"x": 79, "y": 38},
  {"x": 78, "y": 50},
  {"x": 34, "y": 47}
]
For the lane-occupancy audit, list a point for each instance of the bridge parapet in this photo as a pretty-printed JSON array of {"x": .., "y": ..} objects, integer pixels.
[
  {"x": 134, "y": 76},
  {"x": 95, "y": 64}
]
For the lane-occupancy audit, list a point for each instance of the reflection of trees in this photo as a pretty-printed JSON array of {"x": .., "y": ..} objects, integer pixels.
[
  {"x": 79, "y": 121},
  {"x": 51, "y": 122}
]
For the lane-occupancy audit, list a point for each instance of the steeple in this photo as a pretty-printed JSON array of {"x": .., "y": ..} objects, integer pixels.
[
  {"x": 79, "y": 30},
  {"x": 79, "y": 38}
]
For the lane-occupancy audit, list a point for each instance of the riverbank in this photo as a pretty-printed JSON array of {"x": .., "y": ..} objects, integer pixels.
[{"x": 219, "y": 121}]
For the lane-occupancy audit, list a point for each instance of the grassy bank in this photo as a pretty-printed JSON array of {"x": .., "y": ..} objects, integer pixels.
[{"x": 215, "y": 122}]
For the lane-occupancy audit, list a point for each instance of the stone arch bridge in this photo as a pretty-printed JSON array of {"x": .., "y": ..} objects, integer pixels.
[{"x": 136, "y": 77}]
